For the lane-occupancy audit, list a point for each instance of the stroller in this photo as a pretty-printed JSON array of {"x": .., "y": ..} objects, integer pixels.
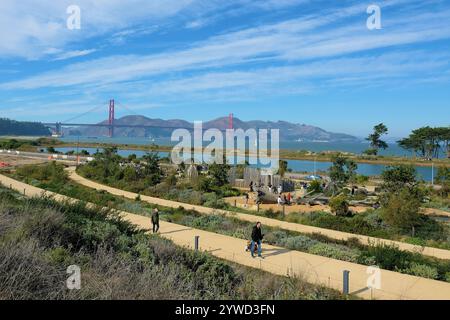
[{"x": 248, "y": 248}]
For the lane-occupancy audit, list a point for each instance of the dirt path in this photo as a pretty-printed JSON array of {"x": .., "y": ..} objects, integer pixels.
[
  {"x": 280, "y": 261},
  {"x": 432, "y": 252}
]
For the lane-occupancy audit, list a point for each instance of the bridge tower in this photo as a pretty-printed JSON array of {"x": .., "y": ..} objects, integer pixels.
[
  {"x": 111, "y": 118},
  {"x": 58, "y": 129}
]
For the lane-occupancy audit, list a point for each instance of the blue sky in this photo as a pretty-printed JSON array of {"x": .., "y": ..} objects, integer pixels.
[{"x": 303, "y": 61}]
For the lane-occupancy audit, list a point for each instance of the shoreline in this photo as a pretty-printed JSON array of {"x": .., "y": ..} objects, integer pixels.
[{"x": 284, "y": 154}]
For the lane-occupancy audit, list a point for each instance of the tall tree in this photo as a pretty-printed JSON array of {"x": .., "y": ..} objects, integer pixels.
[
  {"x": 282, "y": 167},
  {"x": 396, "y": 178},
  {"x": 375, "y": 139},
  {"x": 444, "y": 137},
  {"x": 426, "y": 142},
  {"x": 342, "y": 171}
]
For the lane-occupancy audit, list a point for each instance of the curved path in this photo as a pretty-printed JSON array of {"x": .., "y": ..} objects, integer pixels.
[
  {"x": 432, "y": 252},
  {"x": 280, "y": 261}
]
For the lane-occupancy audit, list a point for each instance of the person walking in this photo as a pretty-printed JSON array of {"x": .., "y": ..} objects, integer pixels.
[
  {"x": 155, "y": 220},
  {"x": 246, "y": 199},
  {"x": 280, "y": 201},
  {"x": 257, "y": 237}
]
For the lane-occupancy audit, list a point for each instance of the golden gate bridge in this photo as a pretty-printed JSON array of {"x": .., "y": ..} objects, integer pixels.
[{"x": 57, "y": 127}]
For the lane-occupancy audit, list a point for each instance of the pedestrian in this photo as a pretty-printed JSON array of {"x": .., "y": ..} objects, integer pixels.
[
  {"x": 280, "y": 201},
  {"x": 251, "y": 186},
  {"x": 246, "y": 200},
  {"x": 289, "y": 198},
  {"x": 257, "y": 237},
  {"x": 155, "y": 220}
]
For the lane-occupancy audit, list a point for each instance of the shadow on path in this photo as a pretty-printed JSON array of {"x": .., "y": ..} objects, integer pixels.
[{"x": 274, "y": 252}]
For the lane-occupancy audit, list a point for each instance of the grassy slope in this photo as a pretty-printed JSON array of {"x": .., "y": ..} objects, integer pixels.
[{"x": 39, "y": 239}]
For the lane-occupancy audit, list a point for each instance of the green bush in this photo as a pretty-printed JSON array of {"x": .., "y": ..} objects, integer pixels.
[
  {"x": 339, "y": 205},
  {"x": 335, "y": 252},
  {"x": 301, "y": 243},
  {"x": 421, "y": 270}
]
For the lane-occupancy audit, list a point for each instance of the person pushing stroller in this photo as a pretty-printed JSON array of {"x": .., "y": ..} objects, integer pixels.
[{"x": 257, "y": 237}]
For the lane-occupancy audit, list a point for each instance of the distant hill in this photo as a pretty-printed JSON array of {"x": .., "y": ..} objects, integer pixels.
[
  {"x": 18, "y": 128},
  {"x": 288, "y": 131}
]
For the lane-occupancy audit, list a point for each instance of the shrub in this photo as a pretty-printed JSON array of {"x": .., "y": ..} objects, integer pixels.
[
  {"x": 387, "y": 257},
  {"x": 301, "y": 243},
  {"x": 421, "y": 270},
  {"x": 335, "y": 252},
  {"x": 339, "y": 205},
  {"x": 402, "y": 211},
  {"x": 315, "y": 187}
]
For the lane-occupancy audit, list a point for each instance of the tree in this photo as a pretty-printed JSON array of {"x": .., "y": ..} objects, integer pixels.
[
  {"x": 375, "y": 139},
  {"x": 282, "y": 167},
  {"x": 444, "y": 135},
  {"x": 402, "y": 210},
  {"x": 152, "y": 171},
  {"x": 396, "y": 178},
  {"x": 427, "y": 142},
  {"x": 219, "y": 174},
  {"x": 342, "y": 171},
  {"x": 443, "y": 179},
  {"x": 315, "y": 187}
]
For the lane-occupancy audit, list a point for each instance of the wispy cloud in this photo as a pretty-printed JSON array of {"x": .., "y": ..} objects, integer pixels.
[
  {"x": 288, "y": 41},
  {"x": 74, "y": 54}
]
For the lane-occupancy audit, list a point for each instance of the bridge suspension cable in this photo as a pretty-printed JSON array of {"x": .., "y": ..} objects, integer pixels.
[{"x": 97, "y": 107}]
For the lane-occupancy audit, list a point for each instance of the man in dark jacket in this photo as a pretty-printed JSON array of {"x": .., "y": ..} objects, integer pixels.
[
  {"x": 257, "y": 237},
  {"x": 155, "y": 220}
]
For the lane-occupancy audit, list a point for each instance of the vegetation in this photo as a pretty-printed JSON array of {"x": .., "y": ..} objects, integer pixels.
[
  {"x": 351, "y": 251},
  {"x": 339, "y": 205},
  {"x": 282, "y": 167},
  {"x": 17, "y": 128},
  {"x": 443, "y": 179},
  {"x": 145, "y": 176},
  {"x": 109, "y": 168},
  {"x": 342, "y": 171},
  {"x": 375, "y": 140},
  {"x": 402, "y": 210},
  {"x": 26, "y": 145},
  {"x": 428, "y": 142},
  {"x": 40, "y": 238}
]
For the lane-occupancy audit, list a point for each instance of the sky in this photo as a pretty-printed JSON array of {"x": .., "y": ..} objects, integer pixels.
[{"x": 304, "y": 61}]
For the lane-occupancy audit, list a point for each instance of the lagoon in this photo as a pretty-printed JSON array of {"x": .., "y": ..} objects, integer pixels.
[{"x": 308, "y": 166}]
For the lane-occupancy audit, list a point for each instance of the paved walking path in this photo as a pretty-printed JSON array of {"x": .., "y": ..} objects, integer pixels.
[
  {"x": 432, "y": 252},
  {"x": 313, "y": 269}
]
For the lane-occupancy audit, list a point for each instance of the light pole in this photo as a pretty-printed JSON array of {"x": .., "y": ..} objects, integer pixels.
[
  {"x": 78, "y": 155},
  {"x": 432, "y": 173},
  {"x": 315, "y": 159}
]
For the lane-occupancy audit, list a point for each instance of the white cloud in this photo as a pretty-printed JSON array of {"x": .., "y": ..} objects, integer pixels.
[
  {"x": 74, "y": 54},
  {"x": 289, "y": 41}
]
